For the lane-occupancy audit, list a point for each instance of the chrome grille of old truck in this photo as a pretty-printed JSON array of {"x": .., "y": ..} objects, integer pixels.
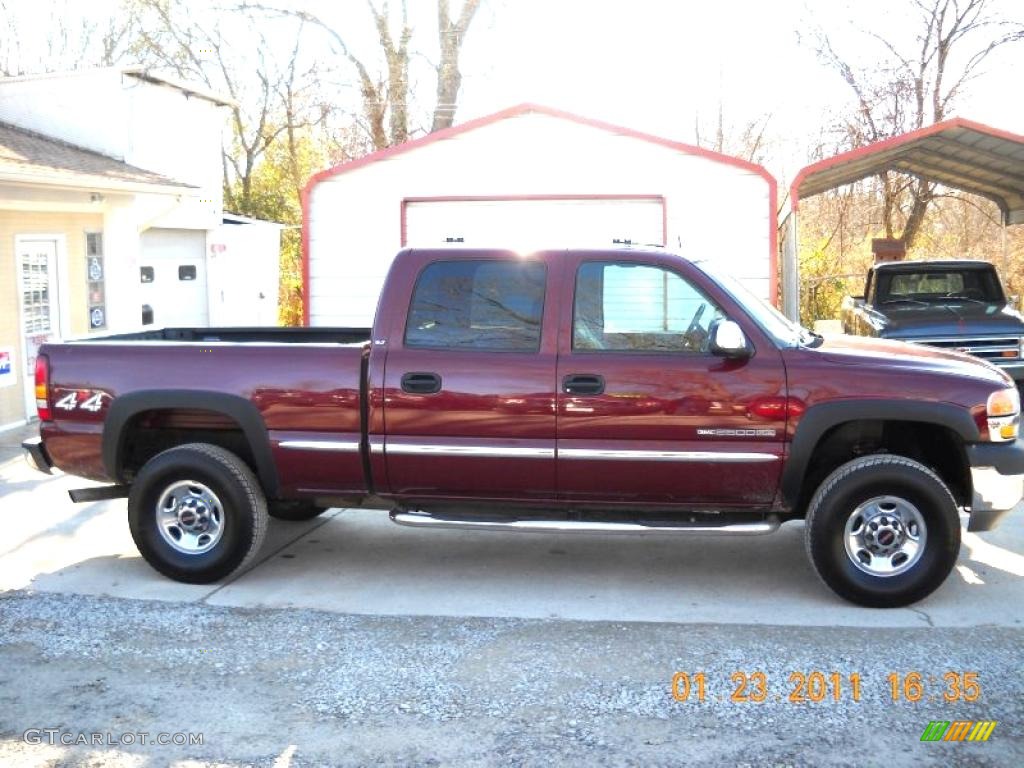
[{"x": 995, "y": 349}]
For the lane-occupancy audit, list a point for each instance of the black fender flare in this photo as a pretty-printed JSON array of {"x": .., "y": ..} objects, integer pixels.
[
  {"x": 820, "y": 418},
  {"x": 125, "y": 407}
]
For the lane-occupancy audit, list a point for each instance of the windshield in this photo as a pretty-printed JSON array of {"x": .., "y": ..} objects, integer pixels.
[
  {"x": 980, "y": 285},
  {"x": 783, "y": 330}
]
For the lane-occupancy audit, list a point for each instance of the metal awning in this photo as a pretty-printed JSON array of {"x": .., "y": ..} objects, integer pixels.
[{"x": 957, "y": 153}]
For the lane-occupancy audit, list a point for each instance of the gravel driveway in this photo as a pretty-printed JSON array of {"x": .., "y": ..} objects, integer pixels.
[{"x": 299, "y": 687}]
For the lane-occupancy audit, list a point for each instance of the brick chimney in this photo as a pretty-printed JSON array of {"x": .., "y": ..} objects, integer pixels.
[{"x": 888, "y": 249}]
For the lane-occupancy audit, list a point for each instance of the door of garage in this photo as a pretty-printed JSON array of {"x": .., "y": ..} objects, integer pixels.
[
  {"x": 173, "y": 274},
  {"x": 534, "y": 221}
]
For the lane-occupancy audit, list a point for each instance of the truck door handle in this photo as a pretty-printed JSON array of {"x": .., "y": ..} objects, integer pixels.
[
  {"x": 583, "y": 384},
  {"x": 421, "y": 383}
]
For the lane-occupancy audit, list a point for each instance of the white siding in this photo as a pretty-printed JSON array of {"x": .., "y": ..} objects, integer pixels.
[
  {"x": 714, "y": 210},
  {"x": 82, "y": 108},
  {"x": 178, "y": 136},
  {"x": 151, "y": 126}
]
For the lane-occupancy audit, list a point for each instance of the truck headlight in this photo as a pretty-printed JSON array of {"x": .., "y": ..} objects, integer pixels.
[{"x": 1003, "y": 410}]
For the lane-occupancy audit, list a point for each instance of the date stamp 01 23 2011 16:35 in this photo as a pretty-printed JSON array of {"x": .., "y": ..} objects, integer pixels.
[{"x": 815, "y": 687}]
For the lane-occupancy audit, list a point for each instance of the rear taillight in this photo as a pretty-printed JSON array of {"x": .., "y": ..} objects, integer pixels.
[{"x": 43, "y": 388}]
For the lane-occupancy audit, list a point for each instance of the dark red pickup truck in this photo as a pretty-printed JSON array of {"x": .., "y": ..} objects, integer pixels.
[{"x": 605, "y": 390}]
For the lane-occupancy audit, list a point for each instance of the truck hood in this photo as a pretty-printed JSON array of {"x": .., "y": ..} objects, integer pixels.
[
  {"x": 885, "y": 353},
  {"x": 911, "y": 321}
]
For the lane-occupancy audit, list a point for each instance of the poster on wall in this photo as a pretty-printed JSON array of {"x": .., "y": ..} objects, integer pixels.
[
  {"x": 32, "y": 345},
  {"x": 7, "y": 375}
]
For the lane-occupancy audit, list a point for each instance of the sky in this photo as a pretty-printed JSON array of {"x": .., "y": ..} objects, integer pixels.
[{"x": 660, "y": 66}]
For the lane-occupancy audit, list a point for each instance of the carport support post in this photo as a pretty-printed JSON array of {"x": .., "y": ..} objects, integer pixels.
[
  {"x": 790, "y": 269},
  {"x": 1006, "y": 254}
]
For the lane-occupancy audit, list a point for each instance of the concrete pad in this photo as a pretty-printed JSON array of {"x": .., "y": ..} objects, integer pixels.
[{"x": 360, "y": 562}]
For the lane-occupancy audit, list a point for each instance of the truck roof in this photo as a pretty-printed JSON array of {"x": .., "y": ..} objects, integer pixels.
[
  {"x": 459, "y": 250},
  {"x": 896, "y": 266}
]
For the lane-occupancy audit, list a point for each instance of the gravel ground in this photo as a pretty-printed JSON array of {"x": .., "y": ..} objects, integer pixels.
[{"x": 304, "y": 688}]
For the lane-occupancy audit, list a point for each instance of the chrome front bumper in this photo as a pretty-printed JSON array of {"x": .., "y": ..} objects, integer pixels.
[{"x": 997, "y": 481}]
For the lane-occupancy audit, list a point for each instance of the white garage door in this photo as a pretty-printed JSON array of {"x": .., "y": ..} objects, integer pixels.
[
  {"x": 535, "y": 223},
  {"x": 173, "y": 275}
]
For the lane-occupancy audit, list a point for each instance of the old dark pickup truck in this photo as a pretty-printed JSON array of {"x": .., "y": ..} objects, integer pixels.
[
  {"x": 947, "y": 304},
  {"x": 623, "y": 390}
]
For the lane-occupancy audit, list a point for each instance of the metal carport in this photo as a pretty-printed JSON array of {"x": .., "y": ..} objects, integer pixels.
[{"x": 957, "y": 153}]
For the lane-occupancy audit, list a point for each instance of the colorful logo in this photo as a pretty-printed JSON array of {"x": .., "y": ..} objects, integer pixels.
[{"x": 958, "y": 730}]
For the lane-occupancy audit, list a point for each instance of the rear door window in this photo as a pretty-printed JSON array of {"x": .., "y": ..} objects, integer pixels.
[{"x": 478, "y": 305}]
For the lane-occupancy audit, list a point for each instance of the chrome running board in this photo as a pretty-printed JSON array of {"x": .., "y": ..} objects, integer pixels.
[{"x": 532, "y": 525}]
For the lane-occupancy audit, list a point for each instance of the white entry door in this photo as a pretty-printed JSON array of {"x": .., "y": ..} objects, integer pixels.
[{"x": 40, "y": 305}]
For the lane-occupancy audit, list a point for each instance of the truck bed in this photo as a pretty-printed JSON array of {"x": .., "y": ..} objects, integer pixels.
[
  {"x": 240, "y": 334},
  {"x": 288, "y": 399}
]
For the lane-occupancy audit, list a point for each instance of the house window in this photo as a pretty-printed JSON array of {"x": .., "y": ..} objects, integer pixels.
[{"x": 95, "y": 276}]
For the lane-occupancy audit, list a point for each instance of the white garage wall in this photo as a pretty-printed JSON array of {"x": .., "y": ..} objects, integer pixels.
[
  {"x": 714, "y": 210},
  {"x": 523, "y": 224}
]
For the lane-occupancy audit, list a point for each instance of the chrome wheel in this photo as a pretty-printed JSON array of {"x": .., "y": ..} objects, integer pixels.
[
  {"x": 190, "y": 517},
  {"x": 885, "y": 536}
]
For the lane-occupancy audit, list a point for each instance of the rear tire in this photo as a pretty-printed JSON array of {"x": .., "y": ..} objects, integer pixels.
[
  {"x": 295, "y": 511},
  {"x": 883, "y": 531},
  {"x": 197, "y": 513}
]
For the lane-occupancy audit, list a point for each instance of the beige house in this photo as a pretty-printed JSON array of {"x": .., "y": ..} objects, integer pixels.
[
  {"x": 112, "y": 219},
  {"x": 57, "y": 202}
]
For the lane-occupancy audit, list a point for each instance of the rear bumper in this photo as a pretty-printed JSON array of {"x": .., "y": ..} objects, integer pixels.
[
  {"x": 36, "y": 455},
  {"x": 997, "y": 479}
]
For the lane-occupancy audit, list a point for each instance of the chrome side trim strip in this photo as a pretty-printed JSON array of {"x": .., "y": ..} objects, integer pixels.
[
  {"x": 489, "y": 451},
  {"x": 526, "y": 452},
  {"x": 427, "y": 520},
  {"x": 344, "y": 446},
  {"x": 638, "y": 455}
]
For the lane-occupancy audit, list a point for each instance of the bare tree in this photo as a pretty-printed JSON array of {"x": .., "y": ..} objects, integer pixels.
[
  {"x": 917, "y": 83},
  {"x": 269, "y": 97},
  {"x": 61, "y": 35},
  {"x": 450, "y": 34},
  {"x": 385, "y": 88},
  {"x": 746, "y": 141}
]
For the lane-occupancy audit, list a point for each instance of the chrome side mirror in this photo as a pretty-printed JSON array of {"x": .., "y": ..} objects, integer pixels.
[{"x": 728, "y": 340}]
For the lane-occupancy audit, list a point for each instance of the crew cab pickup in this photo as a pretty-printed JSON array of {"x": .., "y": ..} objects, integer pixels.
[
  {"x": 621, "y": 390},
  {"x": 956, "y": 305}
]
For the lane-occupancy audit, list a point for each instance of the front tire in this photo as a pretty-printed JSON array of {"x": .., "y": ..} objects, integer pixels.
[
  {"x": 883, "y": 531},
  {"x": 197, "y": 513}
]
